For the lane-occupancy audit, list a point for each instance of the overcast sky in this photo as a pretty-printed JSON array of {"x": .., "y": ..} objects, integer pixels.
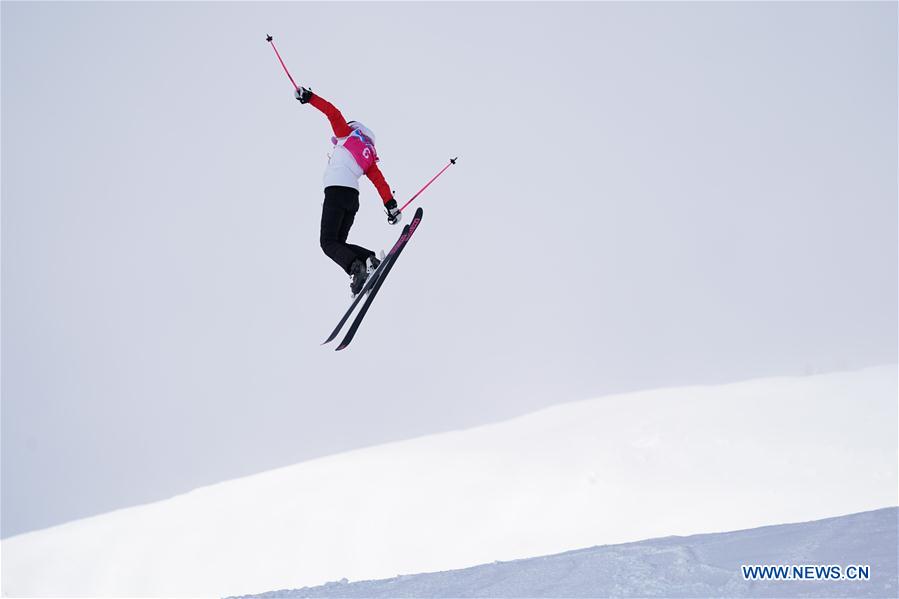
[{"x": 648, "y": 195}]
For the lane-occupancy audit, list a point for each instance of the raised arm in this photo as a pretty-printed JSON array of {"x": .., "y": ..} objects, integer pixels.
[{"x": 338, "y": 123}]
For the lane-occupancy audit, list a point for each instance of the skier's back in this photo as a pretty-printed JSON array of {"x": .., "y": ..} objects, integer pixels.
[{"x": 353, "y": 156}]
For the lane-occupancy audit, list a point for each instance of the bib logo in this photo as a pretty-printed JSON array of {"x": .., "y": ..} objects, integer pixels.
[{"x": 363, "y": 152}]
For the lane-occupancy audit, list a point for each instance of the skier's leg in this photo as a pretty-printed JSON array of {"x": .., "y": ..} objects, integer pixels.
[
  {"x": 352, "y": 208},
  {"x": 334, "y": 229},
  {"x": 358, "y": 267},
  {"x": 349, "y": 217},
  {"x": 360, "y": 252}
]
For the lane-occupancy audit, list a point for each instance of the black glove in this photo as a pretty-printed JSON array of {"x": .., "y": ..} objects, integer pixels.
[
  {"x": 303, "y": 95},
  {"x": 393, "y": 213}
]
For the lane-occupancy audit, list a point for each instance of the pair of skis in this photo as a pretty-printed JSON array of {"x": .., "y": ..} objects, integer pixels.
[{"x": 373, "y": 284}]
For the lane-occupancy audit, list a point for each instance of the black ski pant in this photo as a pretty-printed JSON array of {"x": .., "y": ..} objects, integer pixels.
[{"x": 338, "y": 212}]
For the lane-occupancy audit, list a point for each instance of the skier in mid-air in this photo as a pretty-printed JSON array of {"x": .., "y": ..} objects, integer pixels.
[{"x": 353, "y": 155}]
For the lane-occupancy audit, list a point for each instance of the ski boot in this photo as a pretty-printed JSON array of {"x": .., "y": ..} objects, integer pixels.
[
  {"x": 359, "y": 272},
  {"x": 372, "y": 263}
]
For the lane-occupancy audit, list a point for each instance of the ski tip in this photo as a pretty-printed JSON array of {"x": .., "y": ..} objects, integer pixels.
[
  {"x": 340, "y": 347},
  {"x": 268, "y": 38}
]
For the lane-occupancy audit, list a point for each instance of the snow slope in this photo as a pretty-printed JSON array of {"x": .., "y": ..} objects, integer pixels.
[
  {"x": 608, "y": 470},
  {"x": 695, "y": 566}
]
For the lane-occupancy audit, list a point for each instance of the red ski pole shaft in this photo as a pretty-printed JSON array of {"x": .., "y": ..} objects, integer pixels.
[
  {"x": 451, "y": 162},
  {"x": 270, "y": 40}
]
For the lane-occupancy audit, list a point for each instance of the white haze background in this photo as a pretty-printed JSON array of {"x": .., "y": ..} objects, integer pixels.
[{"x": 648, "y": 195}]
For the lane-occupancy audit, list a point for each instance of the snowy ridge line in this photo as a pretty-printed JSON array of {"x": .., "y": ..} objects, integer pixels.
[
  {"x": 707, "y": 565},
  {"x": 486, "y": 426},
  {"x": 611, "y": 470}
]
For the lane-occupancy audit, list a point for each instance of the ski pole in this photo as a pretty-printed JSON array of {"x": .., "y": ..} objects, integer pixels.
[
  {"x": 270, "y": 40},
  {"x": 451, "y": 162}
]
